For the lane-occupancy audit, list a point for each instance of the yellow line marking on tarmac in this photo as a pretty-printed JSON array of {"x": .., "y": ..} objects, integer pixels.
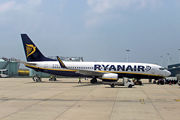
[
  {"x": 141, "y": 101},
  {"x": 177, "y": 100}
]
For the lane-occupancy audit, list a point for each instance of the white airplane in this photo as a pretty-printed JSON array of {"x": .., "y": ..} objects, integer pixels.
[{"x": 106, "y": 71}]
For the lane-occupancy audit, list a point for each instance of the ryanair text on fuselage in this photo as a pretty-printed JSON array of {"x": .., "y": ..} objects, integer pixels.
[{"x": 132, "y": 68}]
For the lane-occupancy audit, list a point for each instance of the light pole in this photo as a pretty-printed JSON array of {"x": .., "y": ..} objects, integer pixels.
[
  {"x": 179, "y": 55},
  {"x": 161, "y": 62},
  {"x": 168, "y": 55},
  {"x": 127, "y": 52}
]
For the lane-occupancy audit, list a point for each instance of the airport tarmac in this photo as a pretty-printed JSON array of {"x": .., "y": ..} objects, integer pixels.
[{"x": 65, "y": 99}]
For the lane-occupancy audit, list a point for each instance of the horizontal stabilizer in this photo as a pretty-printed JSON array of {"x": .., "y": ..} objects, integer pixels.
[
  {"x": 19, "y": 61},
  {"x": 91, "y": 73}
]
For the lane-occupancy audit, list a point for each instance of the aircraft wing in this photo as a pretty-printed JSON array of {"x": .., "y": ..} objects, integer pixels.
[
  {"x": 91, "y": 73},
  {"x": 26, "y": 63},
  {"x": 83, "y": 72}
]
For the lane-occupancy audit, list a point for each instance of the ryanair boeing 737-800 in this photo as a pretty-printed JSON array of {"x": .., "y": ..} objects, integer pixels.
[{"x": 106, "y": 71}]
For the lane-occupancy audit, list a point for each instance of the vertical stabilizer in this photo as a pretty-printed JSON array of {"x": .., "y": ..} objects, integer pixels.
[{"x": 31, "y": 51}]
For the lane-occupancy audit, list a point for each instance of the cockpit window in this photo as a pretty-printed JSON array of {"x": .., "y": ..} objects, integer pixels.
[{"x": 162, "y": 68}]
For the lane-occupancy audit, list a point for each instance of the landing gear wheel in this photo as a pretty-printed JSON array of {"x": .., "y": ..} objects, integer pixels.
[
  {"x": 94, "y": 80},
  {"x": 36, "y": 78},
  {"x": 154, "y": 82},
  {"x": 112, "y": 85},
  {"x": 150, "y": 80},
  {"x": 130, "y": 86},
  {"x": 140, "y": 82},
  {"x": 52, "y": 78}
]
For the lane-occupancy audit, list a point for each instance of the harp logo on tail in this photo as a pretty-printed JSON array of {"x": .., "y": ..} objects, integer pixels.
[{"x": 30, "y": 49}]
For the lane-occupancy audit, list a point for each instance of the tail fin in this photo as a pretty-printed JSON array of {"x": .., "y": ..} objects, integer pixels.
[{"x": 31, "y": 51}]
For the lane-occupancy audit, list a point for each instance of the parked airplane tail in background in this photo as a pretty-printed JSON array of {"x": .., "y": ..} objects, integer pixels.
[{"x": 31, "y": 51}]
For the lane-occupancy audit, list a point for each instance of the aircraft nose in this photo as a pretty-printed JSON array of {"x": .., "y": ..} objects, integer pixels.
[{"x": 168, "y": 73}]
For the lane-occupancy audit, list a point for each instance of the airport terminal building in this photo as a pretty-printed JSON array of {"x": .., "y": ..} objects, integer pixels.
[
  {"x": 174, "y": 69},
  {"x": 8, "y": 68}
]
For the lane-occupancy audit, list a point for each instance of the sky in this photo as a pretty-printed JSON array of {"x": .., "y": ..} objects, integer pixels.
[{"x": 97, "y": 30}]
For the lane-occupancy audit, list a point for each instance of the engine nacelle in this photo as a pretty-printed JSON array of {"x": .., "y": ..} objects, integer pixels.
[{"x": 110, "y": 77}]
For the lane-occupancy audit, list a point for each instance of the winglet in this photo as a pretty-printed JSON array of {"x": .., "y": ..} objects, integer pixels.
[{"x": 61, "y": 63}]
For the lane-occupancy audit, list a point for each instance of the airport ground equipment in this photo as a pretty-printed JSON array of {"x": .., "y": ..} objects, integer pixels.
[
  {"x": 178, "y": 78},
  {"x": 167, "y": 80},
  {"x": 150, "y": 80},
  {"x": 125, "y": 82},
  {"x": 171, "y": 80},
  {"x": 23, "y": 72},
  {"x": 3, "y": 73},
  {"x": 137, "y": 82}
]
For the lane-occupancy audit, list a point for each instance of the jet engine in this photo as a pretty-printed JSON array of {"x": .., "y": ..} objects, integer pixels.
[{"x": 110, "y": 77}]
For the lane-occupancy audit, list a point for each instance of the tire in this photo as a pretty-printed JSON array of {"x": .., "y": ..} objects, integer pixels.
[
  {"x": 52, "y": 78},
  {"x": 154, "y": 82},
  {"x": 112, "y": 85},
  {"x": 140, "y": 82},
  {"x": 94, "y": 80},
  {"x": 130, "y": 86},
  {"x": 36, "y": 79}
]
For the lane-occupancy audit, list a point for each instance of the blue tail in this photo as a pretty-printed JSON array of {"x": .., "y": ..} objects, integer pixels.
[{"x": 31, "y": 51}]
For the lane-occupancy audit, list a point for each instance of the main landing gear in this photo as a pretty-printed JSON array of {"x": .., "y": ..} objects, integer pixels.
[
  {"x": 93, "y": 81},
  {"x": 36, "y": 78},
  {"x": 52, "y": 78}
]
